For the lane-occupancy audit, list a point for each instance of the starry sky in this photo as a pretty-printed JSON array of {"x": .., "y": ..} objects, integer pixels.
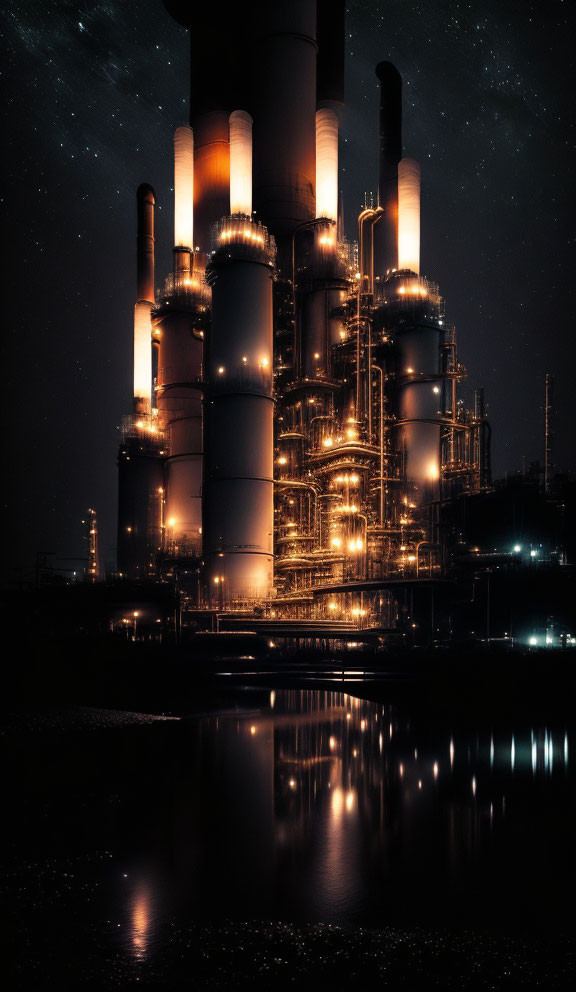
[{"x": 92, "y": 92}]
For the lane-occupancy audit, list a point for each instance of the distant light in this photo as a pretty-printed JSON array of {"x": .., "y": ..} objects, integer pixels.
[
  {"x": 332, "y": 606},
  {"x": 533, "y": 553},
  {"x": 533, "y": 641},
  {"x": 252, "y": 729},
  {"x": 436, "y": 389},
  {"x": 220, "y": 371}
]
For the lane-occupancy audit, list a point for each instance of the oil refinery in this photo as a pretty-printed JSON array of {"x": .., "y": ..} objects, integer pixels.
[{"x": 298, "y": 448}]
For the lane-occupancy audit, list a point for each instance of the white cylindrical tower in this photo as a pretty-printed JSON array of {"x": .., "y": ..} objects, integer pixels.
[
  {"x": 409, "y": 215},
  {"x": 184, "y": 187},
  {"x": 241, "y": 163},
  {"x": 238, "y": 487},
  {"x": 327, "y": 164}
]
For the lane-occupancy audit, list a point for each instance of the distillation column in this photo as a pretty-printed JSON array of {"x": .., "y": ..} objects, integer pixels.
[
  {"x": 418, "y": 337},
  {"x": 238, "y": 490},
  {"x": 179, "y": 334},
  {"x": 140, "y": 466}
]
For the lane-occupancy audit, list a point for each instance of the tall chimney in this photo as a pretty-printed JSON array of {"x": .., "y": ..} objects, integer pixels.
[
  {"x": 145, "y": 300},
  {"x": 327, "y": 164},
  {"x": 409, "y": 215},
  {"x": 145, "y": 243},
  {"x": 386, "y": 231},
  {"x": 240, "y": 163}
]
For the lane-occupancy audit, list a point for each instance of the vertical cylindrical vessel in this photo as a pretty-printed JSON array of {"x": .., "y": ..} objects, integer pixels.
[
  {"x": 179, "y": 399},
  {"x": 140, "y": 494},
  {"x": 409, "y": 215},
  {"x": 414, "y": 306},
  {"x": 386, "y": 231},
  {"x": 238, "y": 488},
  {"x": 240, "y": 163},
  {"x": 320, "y": 293}
]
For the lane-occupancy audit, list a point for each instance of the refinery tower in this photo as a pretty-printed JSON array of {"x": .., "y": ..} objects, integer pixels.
[{"x": 296, "y": 428}]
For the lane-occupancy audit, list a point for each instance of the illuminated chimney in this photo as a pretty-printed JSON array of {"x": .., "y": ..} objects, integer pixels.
[
  {"x": 183, "y": 187},
  {"x": 142, "y": 357},
  {"x": 145, "y": 299},
  {"x": 409, "y": 215},
  {"x": 241, "y": 163},
  {"x": 327, "y": 164}
]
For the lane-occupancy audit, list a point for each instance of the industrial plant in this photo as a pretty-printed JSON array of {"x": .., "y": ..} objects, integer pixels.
[{"x": 298, "y": 449}]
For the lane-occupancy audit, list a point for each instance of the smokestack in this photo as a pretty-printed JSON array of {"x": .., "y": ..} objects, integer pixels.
[
  {"x": 183, "y": 201},
  {"x": 184, "y": 187},
  {"x": 386, "y": 231},
  {"x": 409, "y": 215},
  {"x": 241, "y": 163},
  {"x": 327, "y": 164},
  {"x": 145, "y": 243},
  {"x": 142, "y": 357},
  {"x": 145, "y": 199}
]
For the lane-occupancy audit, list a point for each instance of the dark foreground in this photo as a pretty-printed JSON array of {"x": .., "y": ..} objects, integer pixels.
[{"x": 270, "y": 831}]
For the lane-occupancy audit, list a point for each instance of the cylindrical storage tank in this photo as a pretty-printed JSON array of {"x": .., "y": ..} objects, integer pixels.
[
  {"x": 240, "y": 163},
  {"x": 238, "y": 487},
  {"x": 285, "y": 120},
  {"x": 327, "y": 164},
  {"x": 179, "y": 400},
  {"x": 409, "y": 215}
]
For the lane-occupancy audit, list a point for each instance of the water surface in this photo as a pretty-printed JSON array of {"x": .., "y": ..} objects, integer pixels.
[{"x": 301, "y": 806}]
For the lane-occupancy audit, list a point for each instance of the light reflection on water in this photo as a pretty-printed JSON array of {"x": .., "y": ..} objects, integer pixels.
[{"x": 315, "y": 805}]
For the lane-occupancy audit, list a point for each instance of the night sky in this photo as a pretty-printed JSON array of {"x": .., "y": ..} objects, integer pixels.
[{"x": 92, "y": 94}]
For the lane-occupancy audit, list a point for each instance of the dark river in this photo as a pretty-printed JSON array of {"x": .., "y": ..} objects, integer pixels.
[{"x": 307, "y": 807}]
